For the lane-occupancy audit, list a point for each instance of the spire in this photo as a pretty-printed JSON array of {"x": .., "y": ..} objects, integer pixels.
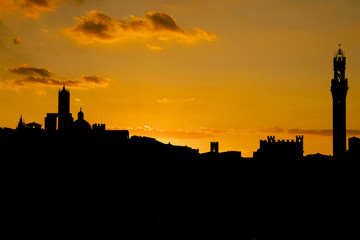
[
  {"x": 21, "y": 123},
  {"x": 63, "y": 89},
  {"x": 340, "y": 53}
]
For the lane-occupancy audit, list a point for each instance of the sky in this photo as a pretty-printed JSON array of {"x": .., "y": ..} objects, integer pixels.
[{"x": 186, "y": 72}]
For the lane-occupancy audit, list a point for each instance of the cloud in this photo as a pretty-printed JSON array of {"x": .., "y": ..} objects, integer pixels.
[
  {"x": 41, "y": 81},
  {"x": 88, "y": 82},
  {"x": 155, "y": 48},
  {"x": 166, "y": 100},
  {"x": 98, "y": 27},
  {"x": 207, "y": 132},
  {"x": 199, "y": 133},
  {"x": 43, "y": 77},
  {"x": 266, "y": 130},
  {"x": 30, "y": 8},
  {"x": 27, "y": 70},
  {"x": 35, "y": 80},
  {"x": 297, "y": 131},
  {"x": 321, "y": 132},
  {"x": 353, "y": 132},
  {"x": 15, "y": 40},
  {"x": 34, "y": 8}
]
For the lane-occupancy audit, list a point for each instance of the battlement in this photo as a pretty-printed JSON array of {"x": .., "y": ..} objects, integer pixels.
[
  {"x": 299, "y": 138},
  {"x": 98, "y": 129},
  {"x": 280, "y": 149},
  {"x": 271, "y": 139}
]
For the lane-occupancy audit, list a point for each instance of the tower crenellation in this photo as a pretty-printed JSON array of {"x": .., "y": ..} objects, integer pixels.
[
  {"x": 271, "y": 138},
  {"x": 299, "y": 138}
]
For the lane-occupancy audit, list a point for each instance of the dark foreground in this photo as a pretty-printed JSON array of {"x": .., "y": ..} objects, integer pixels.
[
  {"x": 71, "y": 188},
  {"x": 179, "y": 199}
]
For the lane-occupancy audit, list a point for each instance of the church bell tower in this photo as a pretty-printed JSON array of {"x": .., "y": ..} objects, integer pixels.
[
  {"x": 65, "y": 117},
  {"x": 339, "y": 88}
]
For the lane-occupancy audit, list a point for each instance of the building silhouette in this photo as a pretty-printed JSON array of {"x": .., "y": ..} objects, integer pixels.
[
  {"x": 339, "y": 88},
  {"x": 280, "y": 149},
  {"x": 21, "y": 124},
  {"x": 81, "y": 126},
  {"x": 63, "y": 120},
  {"x": 65, "y": 139},
  {"x": 64, "y": 115},
  {"x": 214, "y": 147},
  {"x": 354, "y": 148},
  {"x": 215, "y": 155}
]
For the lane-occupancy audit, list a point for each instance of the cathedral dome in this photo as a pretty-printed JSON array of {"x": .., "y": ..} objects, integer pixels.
[{"x": 81, "y": 123}]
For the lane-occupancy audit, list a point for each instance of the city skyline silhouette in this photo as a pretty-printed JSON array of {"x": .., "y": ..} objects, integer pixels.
[
  {"x": 225, "y": 119},
  {"x": 62, "y": 125},
  {"x": 187, "y": 78}
]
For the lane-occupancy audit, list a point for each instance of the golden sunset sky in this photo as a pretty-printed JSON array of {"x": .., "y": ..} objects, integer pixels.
[{"x": 186, "y": 72}]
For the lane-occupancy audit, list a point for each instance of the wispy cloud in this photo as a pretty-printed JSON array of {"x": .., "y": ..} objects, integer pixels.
[
  {"x": 207, "y": 132},
  {"x": 99, "y": 27},
  {"x": 321, "y": 132},
  {"x": 82, "y": 82},
  {"x": 267, "y": 130},
  {"x": 167, "y": 100},
  {"x": 199, "y": 133},
  {"x": 34, "y": 80},
  {"x": 30, "y": 8},
  {"x": 154, "y": 48},
  {"x": 34, "y": 8},
  {"x": 35, "y": 76},
  {"x": 28, "y": 70},
  {"x": 89, "y": 81}
]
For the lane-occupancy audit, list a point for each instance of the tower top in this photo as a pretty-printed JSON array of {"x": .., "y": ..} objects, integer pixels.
[
  {"x": 63, "y": 89},
  {"x": 339, "y": 53},
  {"x": 339, "y": 88}
]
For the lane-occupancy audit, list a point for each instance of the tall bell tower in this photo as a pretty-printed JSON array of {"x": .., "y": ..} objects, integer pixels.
[
  {"x": 339, "y": 88},
  {"x": 65, "y": 117}
]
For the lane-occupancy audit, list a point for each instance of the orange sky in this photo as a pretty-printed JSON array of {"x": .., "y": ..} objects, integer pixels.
[{"x": 185, "y": 72}]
